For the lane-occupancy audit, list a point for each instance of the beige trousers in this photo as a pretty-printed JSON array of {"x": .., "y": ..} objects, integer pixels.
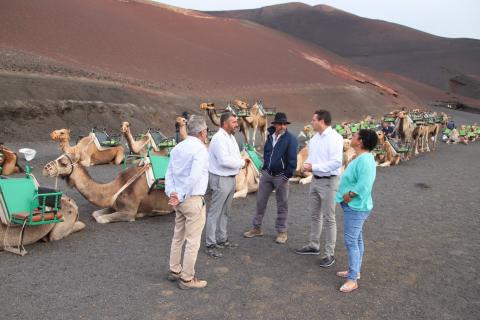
[{"x": 189, "y": 223}]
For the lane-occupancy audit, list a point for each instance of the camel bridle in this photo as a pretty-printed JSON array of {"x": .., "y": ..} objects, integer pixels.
[{"x": 53, "y": 166}]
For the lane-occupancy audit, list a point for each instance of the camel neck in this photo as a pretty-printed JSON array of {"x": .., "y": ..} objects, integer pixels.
[
  {"x": 97, "y": 193},
  {"x": 65, "y": 145}
]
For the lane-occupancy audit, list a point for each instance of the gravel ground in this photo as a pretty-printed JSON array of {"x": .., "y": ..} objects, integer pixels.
[{"x": 421, "y": 262}]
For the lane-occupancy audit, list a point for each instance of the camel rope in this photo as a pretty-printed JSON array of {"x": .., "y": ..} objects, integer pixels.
[{"x": 129, "y": 182}]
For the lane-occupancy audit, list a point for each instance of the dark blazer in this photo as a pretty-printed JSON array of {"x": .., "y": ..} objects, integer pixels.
[{"x": 281, "y": 159}]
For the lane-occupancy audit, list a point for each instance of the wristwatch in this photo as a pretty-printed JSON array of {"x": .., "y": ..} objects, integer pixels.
[{"x": 351, "y": 194}]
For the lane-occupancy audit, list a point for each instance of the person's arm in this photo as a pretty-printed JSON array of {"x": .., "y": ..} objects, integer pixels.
[
  {"x": 365, "y": 173},
  {"x": 224, "y": 158},
  {"x": 291, "y": 157},
  {"x": 169, "y": 182},
  {"x": 335, "y": 151}
]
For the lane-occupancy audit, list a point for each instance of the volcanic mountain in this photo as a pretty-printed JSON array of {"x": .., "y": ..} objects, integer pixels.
[
  {"x": 84, "y": 63},
  {"x": 377, "y": 44}
]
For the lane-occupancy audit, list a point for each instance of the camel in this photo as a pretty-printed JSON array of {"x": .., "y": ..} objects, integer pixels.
[
  {"x": 247, "y": 180},
  {"x": 124, "y": 199},
  {"x": 405, "y": 127},
  {"x": 182, "y": 125},
  {"x": 463, "y": 134},
  {"x": 348, "y": 131},
  {"x": 8, "y": 162},
  {"x": 257, "y": 120},
  {"x": 241, "y": 104},
  {"x": 140, "y": 147},
  {"x": 435, "y": 128},
  {"x": 299, "y": 175},
  {"x": 348, "y": 154},
  {"x": 86, "y": 149},
  {"x": 215, "y": 118},
  {"x": 390, "y": 157},
  {"x": 48, "y": 232}
]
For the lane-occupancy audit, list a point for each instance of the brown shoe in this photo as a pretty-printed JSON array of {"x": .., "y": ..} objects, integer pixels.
[
  {"x": 281, "y": 237},
  {"x": 192, "y": 284},
  {"x": 255, "y": 232},
  {"x": 349, "y": 286}
]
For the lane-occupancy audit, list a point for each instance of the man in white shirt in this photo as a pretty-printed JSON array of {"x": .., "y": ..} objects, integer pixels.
[
  {"x": 224, "y": 164},
  {"x": 325, "y": 155},
  {"x": 186, "y": 182}
]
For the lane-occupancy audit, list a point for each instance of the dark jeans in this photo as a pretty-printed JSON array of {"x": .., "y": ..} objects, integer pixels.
[{"x": 269, "y": 183}]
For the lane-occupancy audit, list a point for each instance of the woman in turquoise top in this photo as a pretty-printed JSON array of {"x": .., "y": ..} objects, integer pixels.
[{"x": 355, "y": 196}]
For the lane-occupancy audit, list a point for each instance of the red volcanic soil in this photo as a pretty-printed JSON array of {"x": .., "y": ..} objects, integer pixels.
[
  {"x": 166, "y": 60},
  {"x": 374, "y": 43}
]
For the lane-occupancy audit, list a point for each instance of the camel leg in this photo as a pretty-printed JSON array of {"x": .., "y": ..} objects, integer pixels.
[
  {"x": 254, "y": 135},
  {"x": 241, "y": 193},
  {"x": 119, "y": 157},
  {"x": 127, "y": 216},
  {"x": 306, "y": 180},
  {"x": 101, "y": 212},
  {"x": 247, "y": 134},
  {"x": 79, "y": 225}
]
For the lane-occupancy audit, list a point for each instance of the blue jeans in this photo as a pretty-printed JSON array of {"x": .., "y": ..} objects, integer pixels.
[{"x": 353, "y": 235}]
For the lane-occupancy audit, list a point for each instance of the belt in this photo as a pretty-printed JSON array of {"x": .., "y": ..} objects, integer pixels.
[
  {"x": 232, "y": 176},
  {"x": 323, "y": 177},
  {"x": 272, "y": 174}
]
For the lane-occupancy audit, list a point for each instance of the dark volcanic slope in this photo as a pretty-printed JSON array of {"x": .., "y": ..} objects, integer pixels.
[{"x": 374, "y": 43}]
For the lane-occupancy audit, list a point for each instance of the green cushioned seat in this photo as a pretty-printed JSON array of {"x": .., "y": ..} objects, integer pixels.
[{"x": 255, "y": 156}]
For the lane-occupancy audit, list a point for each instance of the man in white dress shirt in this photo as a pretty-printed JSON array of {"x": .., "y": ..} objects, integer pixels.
[
  {"x": 186, "y": 182},
  {"x": 224, "y": 164},
  {"x": 325, "y": 155}
]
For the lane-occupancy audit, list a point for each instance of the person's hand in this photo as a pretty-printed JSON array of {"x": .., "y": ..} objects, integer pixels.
[
  {"x": 346, "y": 198},
  {"x": 307, "y": 167},
  {"x": 173, "y": 200}
]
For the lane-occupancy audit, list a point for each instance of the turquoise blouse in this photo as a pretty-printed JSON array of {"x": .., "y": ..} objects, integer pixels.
[{"x": 359, "y": 178}]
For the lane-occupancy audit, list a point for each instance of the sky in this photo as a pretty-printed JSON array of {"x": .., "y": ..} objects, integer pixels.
[{"x": 446, "y": 18}]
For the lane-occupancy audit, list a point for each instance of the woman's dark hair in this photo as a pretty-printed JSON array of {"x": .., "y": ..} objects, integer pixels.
[{"x": 369, "y": 138}]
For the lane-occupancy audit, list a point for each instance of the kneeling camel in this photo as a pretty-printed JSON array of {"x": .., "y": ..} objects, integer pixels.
[{"x": 124, "y": 199}]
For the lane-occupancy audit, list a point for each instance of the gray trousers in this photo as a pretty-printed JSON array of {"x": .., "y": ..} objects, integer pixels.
[
  {"x": 223, "y": 189},
  {"x": 267, "y": 184},
  {"x": 322, "y": 209}
]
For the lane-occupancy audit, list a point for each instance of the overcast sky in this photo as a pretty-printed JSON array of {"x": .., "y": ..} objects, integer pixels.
[{"x": 447, "y": 18}]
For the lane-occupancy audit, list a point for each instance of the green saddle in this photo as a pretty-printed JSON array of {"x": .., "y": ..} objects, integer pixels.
[
  {"x": 398, "y": 148},
  {"x": 159, "y": 167},
  {"x": 23, "y": 203},
  {"x": 255, "y": 156}
]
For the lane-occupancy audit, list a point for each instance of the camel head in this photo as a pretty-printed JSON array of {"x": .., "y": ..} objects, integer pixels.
[
  {"x": 125, "y": 127},
  {"x": 61, "y": 167},
  {"x": 207, "y": 106},
  {"x": 401, "y": 114},
  {"x": 60, "y": 135},
  {"x": 241, "y": 104},
  {"x": 381, "y": 137},
  {"x": 181, "y": 121},
  {"x": 346, "y": 144}
]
